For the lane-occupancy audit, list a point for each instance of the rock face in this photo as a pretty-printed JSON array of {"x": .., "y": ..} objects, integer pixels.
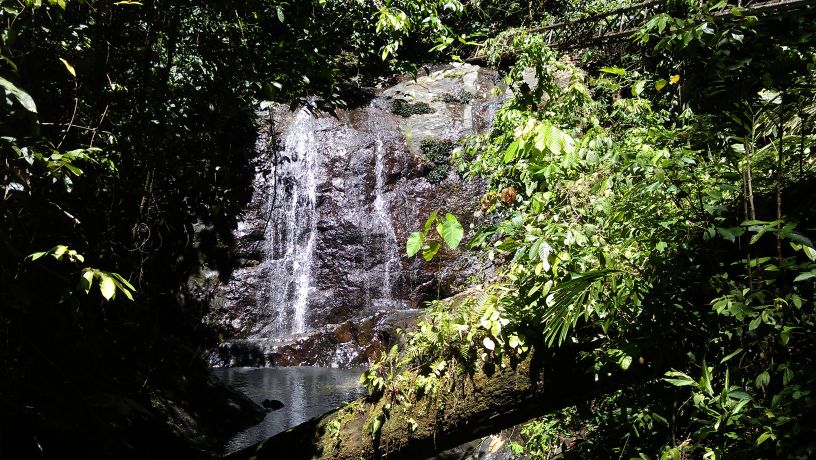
[{"x": 321, "y": 266}]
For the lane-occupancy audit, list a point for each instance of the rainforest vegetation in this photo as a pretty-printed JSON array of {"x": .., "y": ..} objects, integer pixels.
[{"x": 649, "y": 203}]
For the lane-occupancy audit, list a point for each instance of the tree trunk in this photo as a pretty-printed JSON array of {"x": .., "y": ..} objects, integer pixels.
[{"x": 472, "y": 406}]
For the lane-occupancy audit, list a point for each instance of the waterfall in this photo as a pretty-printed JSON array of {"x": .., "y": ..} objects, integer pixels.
[
  {"x": 321, "y": 276},
  {"x": 382, "y": 226},
  {"x": 292, "y": 229}
]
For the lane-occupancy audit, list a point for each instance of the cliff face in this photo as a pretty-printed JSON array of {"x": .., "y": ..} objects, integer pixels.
[{"x": 322, "y": 277}]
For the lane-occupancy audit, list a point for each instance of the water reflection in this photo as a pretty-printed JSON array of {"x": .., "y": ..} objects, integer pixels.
[{"x": 306, "y": 392}]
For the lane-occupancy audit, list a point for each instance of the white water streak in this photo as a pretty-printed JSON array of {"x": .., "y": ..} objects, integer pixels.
[{"x": 293, "y": 227}]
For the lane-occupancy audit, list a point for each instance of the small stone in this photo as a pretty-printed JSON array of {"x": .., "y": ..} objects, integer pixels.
[{"x": 272, "y": 404}]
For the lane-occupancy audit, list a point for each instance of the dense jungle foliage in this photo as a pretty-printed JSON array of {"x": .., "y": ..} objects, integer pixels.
[{"x": 649, "y": 205}]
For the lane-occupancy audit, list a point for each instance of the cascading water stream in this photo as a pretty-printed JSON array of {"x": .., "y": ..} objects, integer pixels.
[
  {"x": 382, "y": 224},
  {"x": 292, "y": 231}
]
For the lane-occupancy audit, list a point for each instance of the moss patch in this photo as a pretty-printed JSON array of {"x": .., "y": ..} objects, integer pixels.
[
  {"x": 406, "y": 109},
  {"x": 438, "y": 153},
  {"x": 461, "y": 97}
]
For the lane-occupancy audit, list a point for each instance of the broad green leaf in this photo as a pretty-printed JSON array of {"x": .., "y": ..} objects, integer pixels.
[
  {"x": 22, "y": 97},
  {"x": 739, "y": 394},
  {"x": 488, "y": 343},
  {"x": 784, "y": 335},
  {"x": 810, "y": 253},
  {"x": 804, "y": 276},
  {"x": 430, "y": 250},
  {"x": 513, "y": 341},
  {"x": 58, "y": 251},
  {"x": 797, "y": 301},
  {"x": 660, "y": 84},
  {"x": 451, "y": 231},
  {"x": 764, "y": 437},
  {"x": 763, "y": 379},
  {"x": 106, "y": 286},
  {"x": 375, "y": 427},
  {"x": 414, "y": 244},
  {"x": 86, "y": 281},
  {"x": 638, "y": 88}
]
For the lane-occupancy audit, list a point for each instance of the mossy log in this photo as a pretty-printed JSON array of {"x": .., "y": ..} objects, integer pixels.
[{"x": 471, "y": 406}]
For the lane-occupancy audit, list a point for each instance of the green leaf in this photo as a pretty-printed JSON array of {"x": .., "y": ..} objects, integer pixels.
[
  {"x": 124, "y": 291},
  {"x": 106, "y": 286},
  {"x": 510, "y": 153},
  {"x": 731, "y": 233},
  {"x": 739, "y": 394},
  {"x": 804, "y": 276},
  {"x": 488, "y": 343},
  {"x": 123, "y": 281},
  {"x": 797, "y": 301},
  {"x": 451, "y": 231},
  {"x": 680, "y": 379},
  {"x": 280, "y": 14},
  {"x": 614, "y": 71},
  {"x": 731, "y": 355},
  {"x": 414, "y": 244},
  {"x": 375, "y": 427},
  {"x": 660, "y": 84},
  {"x": 430, "y": 221},
  {"x": 625, "y": 361},
  {"x": 810, "y": 253},
  {"x": 514, "y": 341},
  {"x": 763, "y": 379},
  {"x": 22, "y": 97},
  {"x": 86, "y": 281},
  {"x": 764, "y": 437},
  {"x": 430, "y": 250},
  {"x": 784, "y": 335},
  {"x": 638, "y": 88}
]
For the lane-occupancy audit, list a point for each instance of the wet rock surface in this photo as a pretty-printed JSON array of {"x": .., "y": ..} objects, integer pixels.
[{"x": 320, "y": 258}]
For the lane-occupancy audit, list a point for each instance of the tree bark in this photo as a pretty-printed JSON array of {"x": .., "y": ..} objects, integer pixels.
[{"x": 489, "y": 400}]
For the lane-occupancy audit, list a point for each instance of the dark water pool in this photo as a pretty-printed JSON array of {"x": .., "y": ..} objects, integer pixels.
[{"x": 306, "y": 392}]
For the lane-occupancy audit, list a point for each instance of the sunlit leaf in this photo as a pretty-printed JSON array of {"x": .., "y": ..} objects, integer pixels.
[
  {"x": 414, "y": 244},
  {"x": 106, "y": 286},
  {"x": 22, "y": 97},
  {"x": 68, "y": 67},
  {"x": 451, "y": 231}
]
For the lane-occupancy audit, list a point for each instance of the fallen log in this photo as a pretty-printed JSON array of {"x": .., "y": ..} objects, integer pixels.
[{"x": 493, "y": 398}]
